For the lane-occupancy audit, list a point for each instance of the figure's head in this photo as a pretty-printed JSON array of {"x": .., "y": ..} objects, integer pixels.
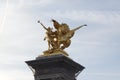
[{"x": 50, "y": 29}]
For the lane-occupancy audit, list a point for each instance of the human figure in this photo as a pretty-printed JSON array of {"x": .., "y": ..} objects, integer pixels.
[
  {"x": 61, "y": 30},
  {"x": 50, "y": 36}
]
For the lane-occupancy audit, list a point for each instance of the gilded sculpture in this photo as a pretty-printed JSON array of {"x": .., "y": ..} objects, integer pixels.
[{"x": 59, "y": 39}]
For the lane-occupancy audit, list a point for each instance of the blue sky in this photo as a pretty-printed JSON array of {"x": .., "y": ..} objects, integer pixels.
[{"x": 97, "y": 46}]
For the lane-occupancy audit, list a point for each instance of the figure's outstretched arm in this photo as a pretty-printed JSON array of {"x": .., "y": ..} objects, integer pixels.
[{"x": 42, "y": 25}]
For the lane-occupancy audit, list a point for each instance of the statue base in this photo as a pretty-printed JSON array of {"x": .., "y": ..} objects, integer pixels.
[
  {"x": 54, "y": 67},
  {"x": 54, "y": 52}
]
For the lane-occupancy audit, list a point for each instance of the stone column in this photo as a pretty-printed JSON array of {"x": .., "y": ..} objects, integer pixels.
[{"x": 55, "y": 67}]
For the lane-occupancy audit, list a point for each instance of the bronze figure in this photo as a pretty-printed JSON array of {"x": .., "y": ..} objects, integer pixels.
[{"x": 59, "y": 39}]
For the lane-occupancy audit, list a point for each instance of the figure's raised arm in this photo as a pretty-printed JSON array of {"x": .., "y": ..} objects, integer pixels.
[{"x": 42, "y": 25}]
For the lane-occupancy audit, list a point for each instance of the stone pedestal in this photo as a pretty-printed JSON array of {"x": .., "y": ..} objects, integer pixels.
[{"x": 54, "y": 67}]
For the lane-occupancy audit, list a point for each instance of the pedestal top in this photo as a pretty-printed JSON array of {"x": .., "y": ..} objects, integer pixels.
[{"x": 54, "y": 60}]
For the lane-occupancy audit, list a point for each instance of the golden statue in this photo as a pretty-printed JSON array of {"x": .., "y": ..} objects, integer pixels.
[{"x": 59, "y": 39}]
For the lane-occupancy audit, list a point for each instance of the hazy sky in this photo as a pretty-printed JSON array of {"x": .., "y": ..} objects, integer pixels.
[{"x": 97, "y": 46}]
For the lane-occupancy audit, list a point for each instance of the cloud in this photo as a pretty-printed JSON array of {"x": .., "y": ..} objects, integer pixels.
[
  {"x": 104, "y": 74},
  {"x": 4, "y": 17},
  {"x": 103, "y": 17},
  {"x": 13, "y": 75},
  {"x": 27, "y": 3}
]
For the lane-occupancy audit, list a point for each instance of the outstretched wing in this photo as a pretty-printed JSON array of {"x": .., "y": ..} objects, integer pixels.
[{"x": 56, "y": 24}]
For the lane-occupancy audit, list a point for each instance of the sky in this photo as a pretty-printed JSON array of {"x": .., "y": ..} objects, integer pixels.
[{"x": 95, "y": 46}]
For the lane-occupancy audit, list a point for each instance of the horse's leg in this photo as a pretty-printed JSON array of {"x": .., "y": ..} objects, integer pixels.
[
  {"x": 66, "y": 44},
  {"x": 48, "y": 45}
]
